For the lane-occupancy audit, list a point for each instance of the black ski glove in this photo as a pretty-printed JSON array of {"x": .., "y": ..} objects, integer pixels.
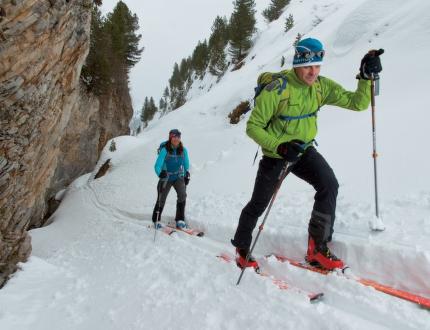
[
  {"x": 371, "y": 64},
  {"x": 187, "y": 178},
  {"x": 163, "y": 174},
  {"x": 290, "y": 151}
]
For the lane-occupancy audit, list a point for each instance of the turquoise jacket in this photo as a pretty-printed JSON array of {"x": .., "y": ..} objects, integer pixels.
[{"x": 175, "y": 165}]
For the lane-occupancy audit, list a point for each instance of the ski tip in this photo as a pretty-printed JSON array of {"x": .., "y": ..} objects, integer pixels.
[
  {"x": 201, "y": 234},
  {"x": 316, "y": 297},
  {"x": 378, "y": 230}
]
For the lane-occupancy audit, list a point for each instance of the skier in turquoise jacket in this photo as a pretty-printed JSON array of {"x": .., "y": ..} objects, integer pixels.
[
  {"x": 172, "y": 168},
  {"x": 284, "y": 123}
]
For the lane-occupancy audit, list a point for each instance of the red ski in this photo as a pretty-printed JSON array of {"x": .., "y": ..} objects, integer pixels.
[
  {"x": 165, "y": 229},
  {"x": 422, "y": 301},
  {"x": 280, "y": 283},
  {"x": 189, "y": 231}
]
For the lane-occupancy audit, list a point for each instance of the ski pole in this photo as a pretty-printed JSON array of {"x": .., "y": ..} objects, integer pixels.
[
  {"x": 159, "y": 191},
  {"x": 374, "y": 155},
  {"x": 282, "y": 176}
]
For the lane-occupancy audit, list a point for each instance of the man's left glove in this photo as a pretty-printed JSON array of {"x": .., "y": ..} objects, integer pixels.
[
  {"x": 371, "y": 64},
  {"x": 187, "y": 178}
]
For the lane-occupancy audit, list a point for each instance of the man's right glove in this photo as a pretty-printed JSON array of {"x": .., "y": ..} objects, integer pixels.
[
  {"x": 290, "y": 151},
  {"x": 163, "y": 174},
  {"x": 371, "y": 64}
]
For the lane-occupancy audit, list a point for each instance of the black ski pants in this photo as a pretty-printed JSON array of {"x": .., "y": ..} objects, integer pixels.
[
  {"x": 163, "y": 188},
  {"x": 312, "y": 168}
]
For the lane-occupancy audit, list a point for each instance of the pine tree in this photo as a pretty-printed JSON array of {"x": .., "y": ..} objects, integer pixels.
[
  {"x": 112, "y": 147},
  {"x": 200, "y": 59},
  {"x": 148, "y": 110},
  {"x": 179, "y": 100},
  {"x": 161, "y": 105},
  {"x": 144, "y": 110},
  {"x": 175, "y": 81},
  {"x": 217, "y": 43},
  {"x": 96, "y": 72},
  {"x": 176, "y": 85},
  {"x": 274, "y": 11},
  {"x": 114, "y": 48},
  {"x": 289, "y": 23},
  {"x": 297, "y": 40},
  {"x": 164, "y": 102},
  {"x": 241, "y": 27},
  {"x": 122, "y": 25},
  {"x": 166, "y": 93},
  {"x": 185, "y": 70}
]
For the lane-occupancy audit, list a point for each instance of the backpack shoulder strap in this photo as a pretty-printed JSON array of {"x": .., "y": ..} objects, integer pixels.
[
  {"x": 161, "y": 146},
  {"x": 282, "y": 90}
]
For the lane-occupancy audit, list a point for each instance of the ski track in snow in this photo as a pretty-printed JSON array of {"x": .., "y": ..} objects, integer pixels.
[{"x": 182, "y": 270}]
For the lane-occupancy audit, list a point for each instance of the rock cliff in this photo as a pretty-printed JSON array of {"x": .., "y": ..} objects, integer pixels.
[{"x": 51, "y": 129}]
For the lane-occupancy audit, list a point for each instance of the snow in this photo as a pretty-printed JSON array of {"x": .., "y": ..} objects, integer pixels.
[{"x": 97, "y": 265}]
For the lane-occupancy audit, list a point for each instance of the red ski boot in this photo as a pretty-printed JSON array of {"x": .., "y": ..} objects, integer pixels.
[
  {"x": 241, "y": 259},
  {"x": 322, "y": 256}
]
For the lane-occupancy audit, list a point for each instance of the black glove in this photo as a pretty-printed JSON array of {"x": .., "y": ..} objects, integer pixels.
[
  {"x": 163, "y": 174},
  {"x": 187, "y": 178},
  {"x": 290, "y": 151},
  {"x": 371, "y": 64}
]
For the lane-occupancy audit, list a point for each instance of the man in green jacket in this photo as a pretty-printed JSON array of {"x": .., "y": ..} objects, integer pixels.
[{"x": 284, "y": 124}]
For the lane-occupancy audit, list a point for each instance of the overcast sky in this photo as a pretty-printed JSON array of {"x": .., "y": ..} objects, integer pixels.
[{"x": 170, "y": 31}]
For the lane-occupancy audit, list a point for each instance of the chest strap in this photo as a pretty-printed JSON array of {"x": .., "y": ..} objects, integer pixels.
[{"x": 288, "y": 118}]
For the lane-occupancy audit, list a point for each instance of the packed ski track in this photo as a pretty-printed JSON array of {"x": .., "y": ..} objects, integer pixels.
[
  {"x": 97, "y": 266},
  {"x": 107, "y": 272}
]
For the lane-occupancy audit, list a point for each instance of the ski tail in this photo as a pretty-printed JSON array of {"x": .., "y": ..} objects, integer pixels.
[{"x": 280, "y": 283}]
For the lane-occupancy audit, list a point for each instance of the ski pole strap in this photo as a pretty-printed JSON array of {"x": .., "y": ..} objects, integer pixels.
[
  {"x": 283, "y": 86},
  {"x": 303, "y": 146},
  {"x": 288, "y": 118}
]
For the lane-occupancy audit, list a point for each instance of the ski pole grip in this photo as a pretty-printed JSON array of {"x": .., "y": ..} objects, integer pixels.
[{"x": 376, "y": 52}]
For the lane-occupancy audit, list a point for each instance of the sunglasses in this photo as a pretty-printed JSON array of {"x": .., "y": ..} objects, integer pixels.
[{"x": 308, "y": 55}]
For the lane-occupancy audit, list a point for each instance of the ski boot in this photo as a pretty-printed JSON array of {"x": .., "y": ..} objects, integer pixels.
[
  {"x": 321, "y": 256},
  {"x": 180, "y": 224},
  {"x": 241, "y": 259}
]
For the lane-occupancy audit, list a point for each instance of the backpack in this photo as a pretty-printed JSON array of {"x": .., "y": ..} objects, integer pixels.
[
  {"x": 267, "y": 78},
  {"x": 161, "y": 146}
]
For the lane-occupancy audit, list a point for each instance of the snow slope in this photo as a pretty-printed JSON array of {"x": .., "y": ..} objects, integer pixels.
[{"x": 97, "y": 266}]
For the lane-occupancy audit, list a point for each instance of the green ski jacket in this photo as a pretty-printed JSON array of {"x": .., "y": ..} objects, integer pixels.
[{"x": 266, "y": 127}]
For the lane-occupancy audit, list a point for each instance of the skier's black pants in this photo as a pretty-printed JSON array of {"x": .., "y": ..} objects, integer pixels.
[
  {"x": 312, "y": 168},
  {"x": 163, "y": 188}
]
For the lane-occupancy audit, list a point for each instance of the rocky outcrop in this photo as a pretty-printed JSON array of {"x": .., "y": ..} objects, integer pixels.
[{"x": 51, "y": 129}]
